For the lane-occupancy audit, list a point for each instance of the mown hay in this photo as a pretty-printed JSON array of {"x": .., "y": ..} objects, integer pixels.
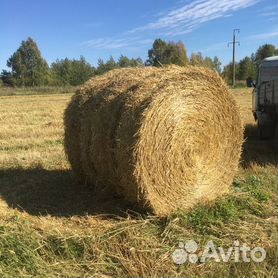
[{"x": 164, "y": 138}]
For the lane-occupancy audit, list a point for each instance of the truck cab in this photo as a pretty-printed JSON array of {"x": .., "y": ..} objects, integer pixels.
[{"x": 265, "y": 98}]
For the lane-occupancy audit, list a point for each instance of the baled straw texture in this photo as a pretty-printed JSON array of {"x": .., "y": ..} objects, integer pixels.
[{"x": 164, "y": 138}]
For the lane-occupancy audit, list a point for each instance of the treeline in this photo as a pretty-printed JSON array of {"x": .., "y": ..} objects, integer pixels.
[
  {"x": 166, "y": 53},
  {"x": 248, "y": 66},
  {"x": 28, "y": 68}
]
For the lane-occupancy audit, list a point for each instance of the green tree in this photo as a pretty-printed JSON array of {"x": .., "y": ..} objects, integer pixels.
[
  {"x": 60, "y": 72},
  {"x": 246, "y": 68},
  {"x": 138, "y": 62},
  {"x": 28, "y": 68},
  {"x": 7, "y": 78},
  {"x": 81, "y": 71},
  {"x": 105, "y": 67},
  {"x": 71, "y": 72},
  {"x": 163, "y": 53},
  {"x": 228, "y": 72},
  {"x": 216, "y": 64},
  {"x": 101, "y": 68},
  {"x": 177, "y": 53},
  {"x": 110, "y": 64},
  {"x": 197, "y": 59},
  {"x": 264, "y": 51},
  {"x": 125, "y": 62},
  {"x": 157, "y": 53},
  {"x": 208, "y": 63}
]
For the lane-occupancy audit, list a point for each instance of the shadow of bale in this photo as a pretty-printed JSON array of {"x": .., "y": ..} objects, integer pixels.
[
  {"x": 255, "y": 150},
  {"x": 56, "y": 193}
]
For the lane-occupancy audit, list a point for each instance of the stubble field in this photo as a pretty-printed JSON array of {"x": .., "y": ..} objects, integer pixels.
[{"x": 51, "y": 226}]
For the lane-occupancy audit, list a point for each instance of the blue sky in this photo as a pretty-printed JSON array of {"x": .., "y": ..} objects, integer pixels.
[{"x": 70, "y": 28}]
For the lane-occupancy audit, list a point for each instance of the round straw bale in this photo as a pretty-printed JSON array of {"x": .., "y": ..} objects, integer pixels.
[{"x": 164, "y": 138}]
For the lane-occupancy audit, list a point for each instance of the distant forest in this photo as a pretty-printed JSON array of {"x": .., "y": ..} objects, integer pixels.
[{"x": 28, "y": 68}]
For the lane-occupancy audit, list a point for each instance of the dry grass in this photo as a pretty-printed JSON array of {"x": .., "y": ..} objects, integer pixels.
[
  {"x": 46, "y": 90},
  {"x": 165, "y": 138},
  {"x": 51, "y": 227}
]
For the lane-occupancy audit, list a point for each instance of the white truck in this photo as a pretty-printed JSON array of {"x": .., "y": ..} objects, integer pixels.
[{"x": 265, "y": 99}]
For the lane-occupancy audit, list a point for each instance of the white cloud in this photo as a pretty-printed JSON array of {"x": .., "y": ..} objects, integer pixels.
[
  {"x": 177, "y": 21},
  {"x": 110, "y": 43},
  {"x": 214, "y": 47},
  {"x": 223, "y": 45},
  {"x": 263, "y": 36},
  {"x": 191, "y": 16},
  {"x": 269, "y": 13}
]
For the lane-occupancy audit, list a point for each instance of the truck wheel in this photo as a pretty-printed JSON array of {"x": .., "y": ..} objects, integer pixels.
[{"x": 276, "y": 139}]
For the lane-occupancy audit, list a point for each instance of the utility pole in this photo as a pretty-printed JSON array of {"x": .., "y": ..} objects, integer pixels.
[{"x": 234, "y": 42}]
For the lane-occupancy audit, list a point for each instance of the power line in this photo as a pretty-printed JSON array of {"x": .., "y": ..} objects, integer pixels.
[{"x": 234, "y": 43}]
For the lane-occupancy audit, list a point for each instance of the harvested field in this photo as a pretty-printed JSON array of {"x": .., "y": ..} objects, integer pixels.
[{"x": 49, "y": 226}]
